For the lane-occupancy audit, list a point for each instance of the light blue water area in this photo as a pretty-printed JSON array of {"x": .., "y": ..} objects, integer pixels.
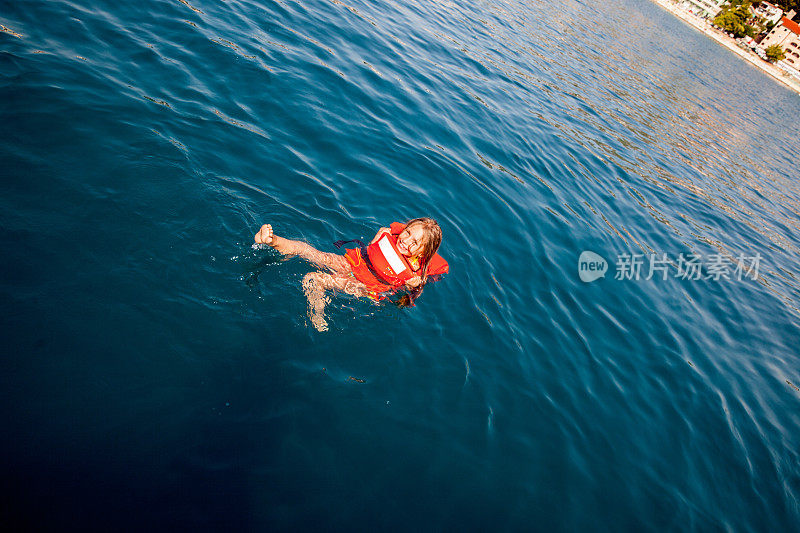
[{"x": 159, "y": 371}]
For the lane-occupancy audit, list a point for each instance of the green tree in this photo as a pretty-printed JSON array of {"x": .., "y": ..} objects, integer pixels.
[
  {"x": 733, "y": 19},
  {"x": 774, "y": 53}
]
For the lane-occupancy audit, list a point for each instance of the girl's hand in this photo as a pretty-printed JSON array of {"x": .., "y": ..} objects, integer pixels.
[
  {"x": 264, "y": 235},
  {"x": 414, "y": 282},
  {"x": 380, "y": 232}
]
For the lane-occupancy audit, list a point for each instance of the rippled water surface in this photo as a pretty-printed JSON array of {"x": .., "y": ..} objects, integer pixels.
[{"x": 159, "y": 371}]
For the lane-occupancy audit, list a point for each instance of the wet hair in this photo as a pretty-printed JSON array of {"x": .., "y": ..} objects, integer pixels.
[{"x": 431, "y": 239}]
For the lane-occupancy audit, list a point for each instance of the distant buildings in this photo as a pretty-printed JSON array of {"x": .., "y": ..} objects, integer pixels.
[
  {"x": 764, "y": 17},
  {"x": 786, "y": 35},
  {"x": 704, "y": 8},
  {"x": 770, "y": 13}
]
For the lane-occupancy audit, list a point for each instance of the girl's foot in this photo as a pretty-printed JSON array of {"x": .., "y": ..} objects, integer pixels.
[
  {"x": 318, "y": 321},
  {"x": 264, "y": 235}
]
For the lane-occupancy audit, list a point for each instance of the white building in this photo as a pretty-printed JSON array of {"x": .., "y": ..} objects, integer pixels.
[
  {"x": 770, "y": 13},
  {"x": 704, "y": 8},
  {"x": 786, "y": 35}
]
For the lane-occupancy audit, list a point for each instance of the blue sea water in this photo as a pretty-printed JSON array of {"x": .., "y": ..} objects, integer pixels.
[{"x": 158, "y": 371}]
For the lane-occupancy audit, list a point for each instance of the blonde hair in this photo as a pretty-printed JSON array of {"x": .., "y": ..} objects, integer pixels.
[{"x": 431, "y": 239}]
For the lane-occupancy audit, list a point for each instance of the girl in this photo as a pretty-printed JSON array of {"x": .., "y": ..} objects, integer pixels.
[{"x": 400, "y": 257}]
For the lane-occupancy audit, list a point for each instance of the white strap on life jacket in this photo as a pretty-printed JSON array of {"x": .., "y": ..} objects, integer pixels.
[{"x": 391, "y": 256}]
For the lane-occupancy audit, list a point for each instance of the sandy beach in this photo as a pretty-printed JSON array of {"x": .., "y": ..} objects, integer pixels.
[{"x": 728, "y": 42}]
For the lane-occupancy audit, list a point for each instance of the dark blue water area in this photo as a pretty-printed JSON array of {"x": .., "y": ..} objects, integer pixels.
[{"x": 159, "y": 371}]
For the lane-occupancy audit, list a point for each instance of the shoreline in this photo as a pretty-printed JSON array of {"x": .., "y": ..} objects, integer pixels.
[{"x": 728, "y": 42}]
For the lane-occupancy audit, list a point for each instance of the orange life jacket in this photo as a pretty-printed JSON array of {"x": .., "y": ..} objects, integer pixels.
[
  {"x": 382, "y": 268},
  {"x": 387, "y": 261}
]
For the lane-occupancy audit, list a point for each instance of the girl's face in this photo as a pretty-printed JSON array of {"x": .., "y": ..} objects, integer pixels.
[{"x": 409, "y": 242}]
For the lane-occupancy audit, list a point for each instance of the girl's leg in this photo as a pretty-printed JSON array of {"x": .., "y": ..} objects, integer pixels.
[
  {"x": 316, "y": 283},
  {"x": 314, "y": 287},
  {"x": 333, "y": 262}
]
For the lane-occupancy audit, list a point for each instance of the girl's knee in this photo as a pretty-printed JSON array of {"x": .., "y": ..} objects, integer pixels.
[{"x": 317, "y": 280}]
